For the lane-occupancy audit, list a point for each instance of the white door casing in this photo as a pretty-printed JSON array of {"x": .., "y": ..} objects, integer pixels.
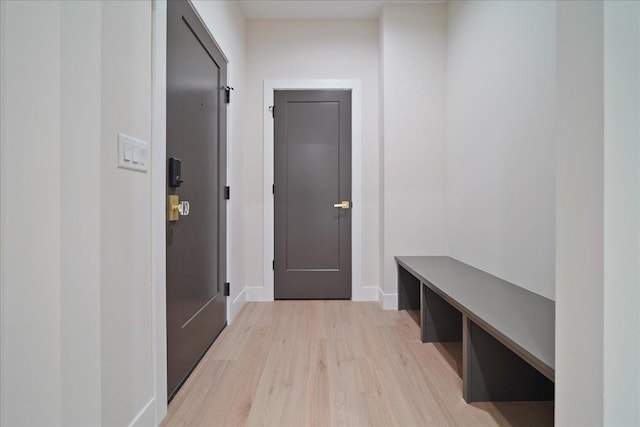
[{"x": 356, "y": 180}]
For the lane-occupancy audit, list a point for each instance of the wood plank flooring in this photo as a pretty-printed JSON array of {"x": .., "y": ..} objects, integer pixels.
[{"x": 334, "y": 363}]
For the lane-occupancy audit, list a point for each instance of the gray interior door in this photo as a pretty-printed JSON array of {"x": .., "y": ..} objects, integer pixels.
[
  {"x": 196, "y": 243},
  {"x": 312, "y": 165}
]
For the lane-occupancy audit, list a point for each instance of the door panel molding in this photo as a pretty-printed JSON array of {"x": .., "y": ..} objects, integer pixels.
[{"x": 356, "y": 176}]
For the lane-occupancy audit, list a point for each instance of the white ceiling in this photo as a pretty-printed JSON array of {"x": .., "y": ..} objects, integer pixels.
[{"x": 315, "y": 9}]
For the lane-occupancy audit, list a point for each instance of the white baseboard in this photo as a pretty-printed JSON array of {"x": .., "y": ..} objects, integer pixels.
[
  {"x": 254, "y": 293},
  {"x": 369, "y": 294},
  {"x": 236, "y": 305},
  {"x": 388, "y": 301},
  {"x": 146, "y": 417}
]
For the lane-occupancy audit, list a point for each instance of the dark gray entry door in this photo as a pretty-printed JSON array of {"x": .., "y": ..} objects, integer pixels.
[
  {"x": 196, "y": 243},
  {"x": 312, "y": 194}
]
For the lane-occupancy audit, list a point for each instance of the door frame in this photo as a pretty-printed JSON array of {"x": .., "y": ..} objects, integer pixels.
[
  {"x": 356, "y": 177},
  {"x": 158, "y": 205}
]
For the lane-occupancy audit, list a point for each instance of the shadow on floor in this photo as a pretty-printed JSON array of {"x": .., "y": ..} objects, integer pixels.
[
  {"x": 519, "y": 413},
  {"x": 452, "y": 354},
  {"x": 504, "y": 413},
  {"x": 415, "y": 315}
]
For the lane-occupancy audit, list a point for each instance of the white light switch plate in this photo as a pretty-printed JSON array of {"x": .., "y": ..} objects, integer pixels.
[{"x": 132, "y": 153}]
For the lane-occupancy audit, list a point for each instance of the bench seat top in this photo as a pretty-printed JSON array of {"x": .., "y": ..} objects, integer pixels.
[{"x": 521, "y": 319}]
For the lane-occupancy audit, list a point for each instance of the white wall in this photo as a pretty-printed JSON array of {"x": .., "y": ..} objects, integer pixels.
[
  {"x": 76, "y": 291},
  {"x": 500, "y": 139},
  {"x": 621, "y": 213},
  {"x": 579, "y": 215},
  {"x": 226, "y": 24},
  {"x": 31, "y": 235},
  {"x": 310, "y": 50},
  {"x": 125, "y": 198},
  {"x": 80, "y": 117},
  {"x": 598, "y": 214},
  {"x": 413, "y": 41},
  {"x": 381, "y": 154}
]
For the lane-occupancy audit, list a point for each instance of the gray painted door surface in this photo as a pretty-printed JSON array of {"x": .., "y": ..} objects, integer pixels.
[
  {"x": 312, "y": 166},
  {"x": 196, "y": 244}
]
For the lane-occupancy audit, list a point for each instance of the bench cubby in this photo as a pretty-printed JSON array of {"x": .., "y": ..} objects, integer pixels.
[{"x": 507, "y": 332}]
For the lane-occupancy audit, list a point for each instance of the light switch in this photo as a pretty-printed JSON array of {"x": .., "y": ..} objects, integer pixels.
[
  {"x": 127, "y": 152},
  {"x": 132, "y": 153},
  {"x": 142, "y": 156}
]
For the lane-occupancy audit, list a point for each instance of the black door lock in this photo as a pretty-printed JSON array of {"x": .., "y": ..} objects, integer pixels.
[{"x": 175, "y": 172}]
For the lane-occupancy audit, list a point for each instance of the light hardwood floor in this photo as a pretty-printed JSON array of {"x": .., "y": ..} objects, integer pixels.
[{"x": 334, "y": 363}]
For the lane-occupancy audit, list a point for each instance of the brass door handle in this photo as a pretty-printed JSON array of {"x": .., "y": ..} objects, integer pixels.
[
  {"x": 176, "y": 208},
  {"x": 345, "y": 204},
  {"x": 173, "y": 202}
]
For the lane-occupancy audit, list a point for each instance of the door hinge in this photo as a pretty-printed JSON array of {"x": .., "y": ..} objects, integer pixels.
[
  {"x": 273, "y": 264},
  {"x": 273, "y": 189},
  {"x": 227, "y": 94},
  {"x": 272, "y": 109},
  {"x": 227, "y": 289},
  {"x": 227, "y": 192}
]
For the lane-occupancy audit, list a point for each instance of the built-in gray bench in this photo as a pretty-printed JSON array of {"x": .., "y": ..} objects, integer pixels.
[{"x": 507, "y": 332}]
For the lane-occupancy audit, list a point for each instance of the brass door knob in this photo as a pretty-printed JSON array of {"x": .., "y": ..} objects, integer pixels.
[
  {"x": 183, "y": 208},
  {"x": 345, "y": 204},
  {"x": 176, "y": 208}
]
